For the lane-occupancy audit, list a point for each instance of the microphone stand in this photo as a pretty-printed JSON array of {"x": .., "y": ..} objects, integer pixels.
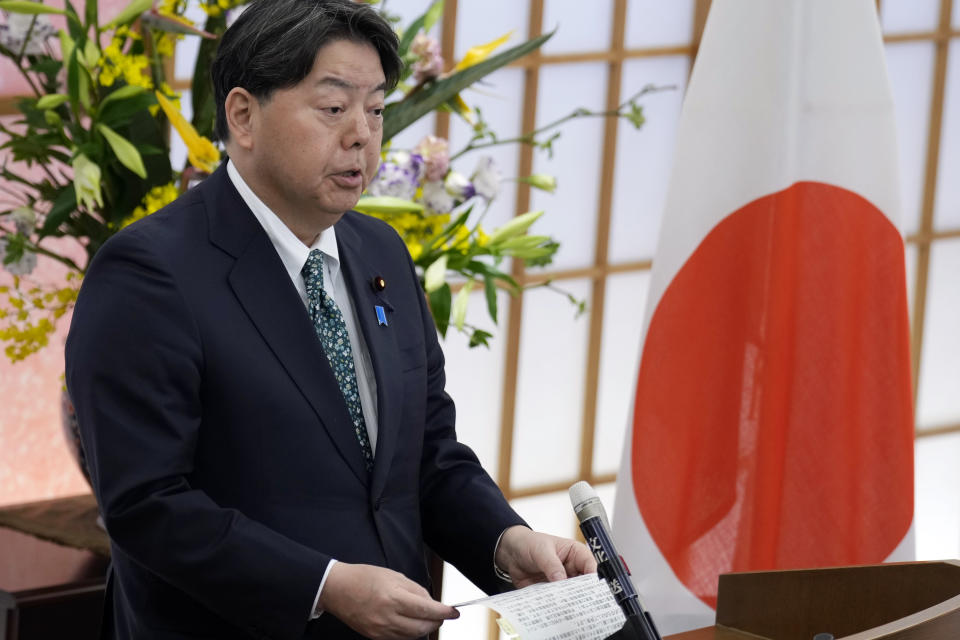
[{"x": 635, "y": 628}]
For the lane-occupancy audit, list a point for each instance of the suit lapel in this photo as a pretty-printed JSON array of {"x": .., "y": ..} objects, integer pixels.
[
  {"x": 263, "y": 288},
  {"x": 359, "y": 272}
]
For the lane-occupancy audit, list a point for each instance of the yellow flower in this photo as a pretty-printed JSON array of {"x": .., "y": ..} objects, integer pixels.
[
  {"x": 461, "y": 239},
  {"x": 476, "y": 55},
  {"x": 200, "y": 151},
  {"x": 216, "y": 7},
  {"x": 156, "y": 199},
  {"x": 482, "y": 238},
  {"x": 171, "y": 95},
  {"x": 166, "y": 42},
  {"x": 114, "y": 63}
]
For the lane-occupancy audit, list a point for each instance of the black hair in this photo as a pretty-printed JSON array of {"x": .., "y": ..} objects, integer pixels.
[{"x": 274, "y": 43}]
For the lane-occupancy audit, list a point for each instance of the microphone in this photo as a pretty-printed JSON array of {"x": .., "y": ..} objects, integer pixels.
[{"x": 610, "y": 566}]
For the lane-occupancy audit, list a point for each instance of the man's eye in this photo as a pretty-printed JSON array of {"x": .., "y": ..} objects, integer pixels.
[
  {"x": 378, "y": 111},
  {"x": 334, "y": 110}
]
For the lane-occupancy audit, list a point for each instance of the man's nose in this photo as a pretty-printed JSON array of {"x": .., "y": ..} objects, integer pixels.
[{"x": 357, "y": 133}]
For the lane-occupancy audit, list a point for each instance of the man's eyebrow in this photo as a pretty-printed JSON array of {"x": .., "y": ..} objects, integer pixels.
[{"x": 340, "y": 83}]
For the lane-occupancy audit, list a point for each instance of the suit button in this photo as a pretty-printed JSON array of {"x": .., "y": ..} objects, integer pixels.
[{"x": 376, "y": 505}]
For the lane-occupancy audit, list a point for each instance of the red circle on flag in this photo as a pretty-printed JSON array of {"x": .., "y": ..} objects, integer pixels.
[{"x": 773, "y": 420}]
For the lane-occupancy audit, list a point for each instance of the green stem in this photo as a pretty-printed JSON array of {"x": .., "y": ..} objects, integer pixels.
[
  {"x": 8, "y": 53},
  {"x": 61, "y": 259},
  {"x": 531, "y": 137},
  {"x": 26, "y": 39},
  {"x": 156, "y": 64}
]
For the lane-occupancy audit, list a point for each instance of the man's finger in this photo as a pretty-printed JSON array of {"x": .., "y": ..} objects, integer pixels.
[
  {"x": 579, "y": 561},
  {"x": 549, "y": 563},
  {"x": 424, "y": 608}
]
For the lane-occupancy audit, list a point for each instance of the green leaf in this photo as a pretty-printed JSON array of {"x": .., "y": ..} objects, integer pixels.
[
  {"x": 130, "y": 13},
  {"x": 635, "y": 115},
  {"x": 73, "y": 79},
  {"x": 424, "y": 22},
  {"x": 440, "y": 301},
  {"x": 31, "y": 8},
  {"x": 53, "y": 118},
  {"x": 150, "y": 150},
  {"x": 480, "y": 267},
  {"x": 541, "y": 257},
  {"x": 91, "y": 13},
  {"x": 399, "y": 115},
  {"x": 83, "y": 84},
  {"x": 458, "y": 311},
  {"x": 91, "y": 54},
  {"x": 13, "y": 251},
  {"x": 52, "y": 101},
  {"x": 433, "y": 15},
  {"x": 66, "y": 46},
  {"x": 63, "y": 206},
  {"x": 127, "y": 91},
  {"x": 73, "y": 21},
  {"x": 514, "y": 227},
  {"x": 126, "y": 153},
  {"x": 387, "y": 205},
  {"x": 490, "y": 290},
  {"x": 204, "y": 102},
  {"x": 117, "y": 113},
  {"x": 480, "y": 337}
]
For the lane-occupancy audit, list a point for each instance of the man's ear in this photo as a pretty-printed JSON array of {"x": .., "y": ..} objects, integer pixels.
[{"x": 241, "y": 111}]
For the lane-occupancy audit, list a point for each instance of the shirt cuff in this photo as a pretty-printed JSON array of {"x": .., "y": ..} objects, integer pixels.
[
  {"x": 316, "y": 612},
  {"x": 503, "y": 575}
]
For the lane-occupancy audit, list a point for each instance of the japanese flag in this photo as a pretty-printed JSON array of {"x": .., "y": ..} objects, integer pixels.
[{"x": 772, "y": 425}]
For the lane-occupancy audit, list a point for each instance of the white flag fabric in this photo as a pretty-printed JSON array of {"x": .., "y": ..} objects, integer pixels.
[{"x": 772, "y": 424}]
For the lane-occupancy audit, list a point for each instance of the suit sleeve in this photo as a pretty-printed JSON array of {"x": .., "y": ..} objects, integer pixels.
[
  {"x": 134, "y": 369},
  {"x": 462, "y": 509}
]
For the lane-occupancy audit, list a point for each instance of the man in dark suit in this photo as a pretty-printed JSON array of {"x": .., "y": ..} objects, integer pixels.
[{"x": 258, "y": 381}]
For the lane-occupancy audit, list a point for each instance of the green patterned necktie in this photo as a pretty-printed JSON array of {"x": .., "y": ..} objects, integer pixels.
[{"x": 332, "y": 332}]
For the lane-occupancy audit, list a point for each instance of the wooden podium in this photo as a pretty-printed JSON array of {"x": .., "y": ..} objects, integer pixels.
[
  {"x": 53, "y": 565},
  {"x": 905, "y": 601}
]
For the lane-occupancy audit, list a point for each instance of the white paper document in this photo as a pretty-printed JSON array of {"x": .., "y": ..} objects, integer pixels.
[{"x": 579, "y": 608}]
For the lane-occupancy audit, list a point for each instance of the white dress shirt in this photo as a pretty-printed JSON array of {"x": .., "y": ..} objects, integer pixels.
[{"x": 293, "y": 253}]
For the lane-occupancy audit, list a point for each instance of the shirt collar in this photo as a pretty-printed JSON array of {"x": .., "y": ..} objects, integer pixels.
[{"x": 293, "y": 253}]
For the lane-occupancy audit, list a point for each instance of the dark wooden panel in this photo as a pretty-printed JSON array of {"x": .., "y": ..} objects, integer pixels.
[
  {"x": 796, "y": 605},
  {"x": 49, "y": 591}
]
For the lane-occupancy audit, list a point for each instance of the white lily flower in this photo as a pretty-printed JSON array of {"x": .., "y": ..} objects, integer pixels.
[
  {"x": 14, "y": 32},
  {"x": 435, "y": 275},
  {"x": 458, "y": 186},
  {"x": 486, "y": 178},
  {"x": 436, "y": 198},
  {"x": 86, "y": 182}
]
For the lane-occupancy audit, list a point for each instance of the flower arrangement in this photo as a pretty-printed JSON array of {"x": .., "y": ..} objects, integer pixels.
[{"x": 90, "y": 154}]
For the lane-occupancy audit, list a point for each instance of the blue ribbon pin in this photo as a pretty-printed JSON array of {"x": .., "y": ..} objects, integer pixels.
[{"x": 381, "y": 316}]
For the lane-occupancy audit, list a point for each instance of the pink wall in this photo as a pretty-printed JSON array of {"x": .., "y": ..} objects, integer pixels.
[{"x": 34, "y": 459}]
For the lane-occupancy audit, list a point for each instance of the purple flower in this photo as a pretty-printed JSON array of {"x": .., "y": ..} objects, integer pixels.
[{"x": 399, "y": 176}]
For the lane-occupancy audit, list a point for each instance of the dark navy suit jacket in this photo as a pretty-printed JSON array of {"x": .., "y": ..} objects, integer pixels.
[{"x": 220, "y": 448}]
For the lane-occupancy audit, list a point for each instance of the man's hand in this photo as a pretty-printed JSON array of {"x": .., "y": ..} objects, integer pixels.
[
  {"x": 530, "y": 557},
  {"x": 381, "y": 604}
]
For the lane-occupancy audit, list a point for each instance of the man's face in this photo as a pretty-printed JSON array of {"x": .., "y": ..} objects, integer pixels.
[{"x": 316, "y": 145}]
